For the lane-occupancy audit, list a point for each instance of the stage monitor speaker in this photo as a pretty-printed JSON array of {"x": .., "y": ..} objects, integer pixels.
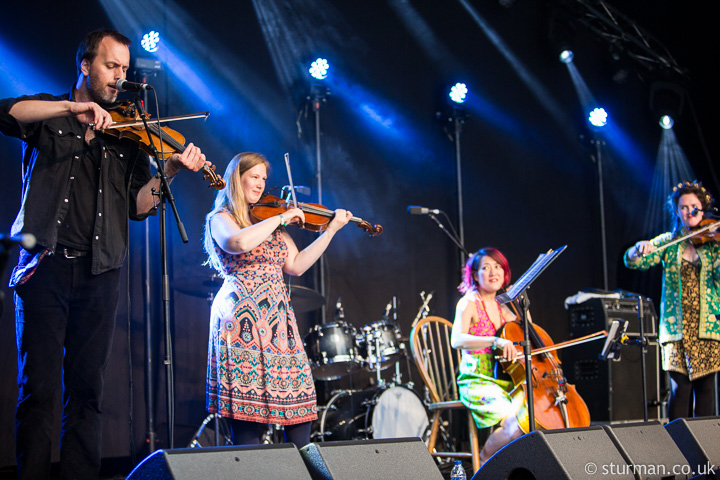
[
  {"x": 650, "y": 449},
  {"x": 279, "y": 462},
  {"x": 383, "y": 459},
  {"x": 699, "y": 440},
  {"x": 573, "y": 453},
  {"x": 613, "y": 389}
]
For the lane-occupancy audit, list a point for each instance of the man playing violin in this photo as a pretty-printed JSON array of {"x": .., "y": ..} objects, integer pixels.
[
  {"x": 689, "y": 321},
  {"x": 79, "y": 189}
]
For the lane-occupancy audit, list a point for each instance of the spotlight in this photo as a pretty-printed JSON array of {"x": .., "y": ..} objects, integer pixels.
[
  {"x": 566, "y": 56},
  {"x": 150, "y": 41},
  {"x": 458, "y": 92},
  {"x": 666, "y": 102},
  {"x": 598, "y": 117},
  {"x": 319, "y": 69}
]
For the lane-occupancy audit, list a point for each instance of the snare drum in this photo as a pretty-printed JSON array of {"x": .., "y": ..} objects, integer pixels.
[
  {"x": 331, "y": 350},
  {"x": 379, "y": 344},
  {"x": 393, "y": 412}
]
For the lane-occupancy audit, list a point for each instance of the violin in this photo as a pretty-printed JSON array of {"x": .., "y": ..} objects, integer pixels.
[
  {"x": 129, "y": 124},
  {"x": 317, "y": 217},
  {"x": 556, "y": 403}
]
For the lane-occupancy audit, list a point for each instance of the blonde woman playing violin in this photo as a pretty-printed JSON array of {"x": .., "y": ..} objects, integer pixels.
[
  {"x": 258, "y": 372},
  {"x": 689, "y": 322}
]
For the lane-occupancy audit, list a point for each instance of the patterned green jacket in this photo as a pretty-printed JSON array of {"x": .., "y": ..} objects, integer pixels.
[{"x": 670, "y": 309}]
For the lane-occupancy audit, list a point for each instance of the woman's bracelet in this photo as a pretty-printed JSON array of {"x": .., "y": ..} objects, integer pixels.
[
  {"x": 496, "y": 343},
  {"x": 282, "y": 220}
]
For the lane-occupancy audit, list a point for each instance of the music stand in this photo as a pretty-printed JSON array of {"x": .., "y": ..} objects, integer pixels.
[{"x": 517, "y": 291}]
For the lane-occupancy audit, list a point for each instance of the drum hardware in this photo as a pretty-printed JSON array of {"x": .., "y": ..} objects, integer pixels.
[
  {"x": 221, "y": 430},
  {"x": 424, "y": 308}
]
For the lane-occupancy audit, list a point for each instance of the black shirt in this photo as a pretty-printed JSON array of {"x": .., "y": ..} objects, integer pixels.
[{"x": 52, "y": 155}]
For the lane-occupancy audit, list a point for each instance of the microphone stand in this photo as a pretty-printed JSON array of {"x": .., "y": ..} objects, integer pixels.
[
  {"x": 457, "y": 241},
  {"x": 150, "y": 434},
  {"x": 643, "y": 350},
  {"x": 164, "y": 196}
]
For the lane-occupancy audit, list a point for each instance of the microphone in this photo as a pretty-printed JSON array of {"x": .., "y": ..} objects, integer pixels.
[
  {"x": 25, "y": 240},
  {"x": 125, "y": 86},
  {"x": 695, "y": 211},
  {"x": 415, "y": 210},
  {"x": 339, "y": 312}
]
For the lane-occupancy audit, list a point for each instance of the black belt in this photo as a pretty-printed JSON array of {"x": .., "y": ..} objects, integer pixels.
[{"x": 71, "y": 252}]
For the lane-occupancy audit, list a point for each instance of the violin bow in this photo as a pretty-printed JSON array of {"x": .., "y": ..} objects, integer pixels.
[
  {"x": 290, "y": 180},
  {"x": 678, "y": 240},
  {"x": 135, "y": 123}
]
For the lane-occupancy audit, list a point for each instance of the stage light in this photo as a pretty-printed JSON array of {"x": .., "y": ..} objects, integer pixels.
[
  {"x": 598, "y": 117},
  {"x": 666, "y": 122},
  {"x": 150, "y": 41},
  {"x": 666, "y": 102},
  {"x": 458, "y": 92},
  {"x": 566, "y": 56},
  {"x": 319, "y": 69}
]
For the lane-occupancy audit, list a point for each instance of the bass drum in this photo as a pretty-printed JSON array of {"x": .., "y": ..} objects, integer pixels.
[
  {"x": 331, "y": 350},
  {"x": 394, "y": 412}
]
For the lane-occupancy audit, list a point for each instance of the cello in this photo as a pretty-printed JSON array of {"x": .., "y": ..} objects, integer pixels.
[{"x": 556, "y": 403}]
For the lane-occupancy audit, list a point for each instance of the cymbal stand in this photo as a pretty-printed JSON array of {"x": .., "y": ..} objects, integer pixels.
[
  {"x": 220, "y": 425},
  {"x": 378, "y": 361}
]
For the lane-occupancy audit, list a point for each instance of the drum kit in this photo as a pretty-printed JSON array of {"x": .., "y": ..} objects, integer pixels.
[
  {"x": 337, "y": 350},
  {"x": 386, "y": 410}
]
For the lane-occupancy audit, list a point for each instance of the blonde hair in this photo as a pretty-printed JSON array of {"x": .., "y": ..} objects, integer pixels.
[{"x": 231, "y": 199}]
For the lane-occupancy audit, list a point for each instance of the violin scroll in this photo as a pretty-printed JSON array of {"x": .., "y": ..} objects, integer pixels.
[
  {"x": 372, "y": 230},
  {"x": 215, "y": 180}
]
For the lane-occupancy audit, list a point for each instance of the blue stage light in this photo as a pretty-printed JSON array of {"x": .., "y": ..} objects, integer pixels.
[
  {"x": 150, "y": 41},
  {"x": 566, "y": 56},
  {"x": 319, "y": 69},
  {"x": 667, "y": 122},
  {"x": 458, "y": 92},
  {"x": 598, "y": 117}
]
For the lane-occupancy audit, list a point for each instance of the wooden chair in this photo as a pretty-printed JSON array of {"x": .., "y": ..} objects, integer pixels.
[{"x": 437, "y": 361}]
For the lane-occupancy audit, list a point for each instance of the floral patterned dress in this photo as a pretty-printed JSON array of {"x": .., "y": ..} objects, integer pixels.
[
  {"x": 691, "y": 356},
  {"x": 257, "y": 368},
  {"x": 487, "y": 397}
]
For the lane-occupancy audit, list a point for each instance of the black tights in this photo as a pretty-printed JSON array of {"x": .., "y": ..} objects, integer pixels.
[
  {"x": 248, "y": 433},
  {"x": 682, "y": 392}
]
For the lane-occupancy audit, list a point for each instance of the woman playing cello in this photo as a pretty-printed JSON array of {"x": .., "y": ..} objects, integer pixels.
[{"x": 478, "y": 316}]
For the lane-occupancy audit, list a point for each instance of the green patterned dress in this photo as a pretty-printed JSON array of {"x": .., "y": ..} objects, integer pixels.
[{"x": 486, "y": 396}]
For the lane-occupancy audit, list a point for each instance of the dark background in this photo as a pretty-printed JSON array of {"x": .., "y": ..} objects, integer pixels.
[{"x": 530, "y": 182}]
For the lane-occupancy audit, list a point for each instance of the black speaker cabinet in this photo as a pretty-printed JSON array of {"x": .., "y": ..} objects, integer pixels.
[
  {"x": 613, "y": 389},
  {"x": 573, "y": 453},
  {"x": 280, "y": 462},
  {"x": 650, "y": 449},
  {"x": 396, "y": 458},
  {"x": 699, "y": 440}
]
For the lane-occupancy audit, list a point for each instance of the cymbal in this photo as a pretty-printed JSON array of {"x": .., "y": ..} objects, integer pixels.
[
  {"x": 198, "y": 286},
  {"x": 305, "y": 299}
]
